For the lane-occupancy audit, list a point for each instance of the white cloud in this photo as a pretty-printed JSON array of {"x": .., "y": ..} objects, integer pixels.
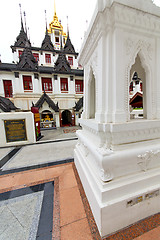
[
  {"x": 157, "y": 2},
  {"x": 78, "y": 12}
]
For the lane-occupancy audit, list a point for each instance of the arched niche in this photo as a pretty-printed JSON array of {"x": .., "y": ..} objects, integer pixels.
[
  {"x": 91, "y": 95},
  {"x": 137, "y": 80},
  {"x": 46, "y": 114},
  {"x": 140, "y": 66}
]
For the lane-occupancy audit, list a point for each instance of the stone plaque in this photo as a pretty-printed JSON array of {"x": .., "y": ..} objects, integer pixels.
[{"x": 15, "y": 130}]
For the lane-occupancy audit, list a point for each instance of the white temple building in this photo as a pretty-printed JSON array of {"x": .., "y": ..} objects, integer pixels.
[
  {"x": 48, "y": 76},
  {"x": 118, "y": 157}
]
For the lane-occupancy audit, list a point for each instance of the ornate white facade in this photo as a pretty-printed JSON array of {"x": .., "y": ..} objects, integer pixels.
[
  {"x": 53, "y": 67},
  {"x": 118, "y": 158}
]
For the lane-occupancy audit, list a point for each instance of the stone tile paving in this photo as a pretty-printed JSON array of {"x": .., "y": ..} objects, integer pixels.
[
  {"x": 27, "y": 213},
  {"x": 19, "y": 217},
  {"x": 59, "y": 133},
  {"x": 4, "y": 151},
  {"x": 72, "y": 216},
  {"x": 64, "y": 222},
  {"x": 129, "y": 233},
  {"x": 151, "y": 235},
  {"x": 43, "y": 153}
]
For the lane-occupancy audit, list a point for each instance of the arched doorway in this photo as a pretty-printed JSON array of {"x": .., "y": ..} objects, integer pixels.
[
  {"x": 46, "y": 115},
  {"x": 137, "y": 90},
  {"x": 47, "y": 119},
  {"x": 66, "y": 118}
]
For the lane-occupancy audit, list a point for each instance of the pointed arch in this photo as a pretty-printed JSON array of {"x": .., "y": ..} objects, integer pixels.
[
  {"x": 91, "y": 95},
  {"x": 147, "y": 86}
]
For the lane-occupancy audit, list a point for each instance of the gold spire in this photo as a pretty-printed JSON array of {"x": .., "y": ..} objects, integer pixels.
[
  {"x": 56, "y": 24},
  {"x": 55, "y": 8}
]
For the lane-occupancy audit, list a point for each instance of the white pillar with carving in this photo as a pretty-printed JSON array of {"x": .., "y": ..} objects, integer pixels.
[{"x": 117, "y": 158}]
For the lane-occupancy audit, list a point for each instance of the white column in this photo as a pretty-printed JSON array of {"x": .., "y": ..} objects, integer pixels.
[
  {"x": 14, "y": 84},
  {"x": 19, "y": 84},
  {"x": 71, "y": 83},
  {"x": 37, "y": 85},
  {"x": 56, "y": 85},
  {"x": 108, "y": 83},
  {"x": 101, "y": 80},
  {"x": 157, "y": 76},
  {"x": 85, "y": 98},
  {"x": 33, "y": 83},
  {"x": 76, "y": 118},
  {"x": 57, "y": 119},
  {"x": 1, "y": 88},
  {"x": 118, "y": 96}
]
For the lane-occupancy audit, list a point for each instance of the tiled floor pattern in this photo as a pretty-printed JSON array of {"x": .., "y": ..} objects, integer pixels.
[
  {"x": 27, "y": 213},
  {"x": 19, "y": 216},
  {"x": 58, "y": 133},
  {"x": 36, "y": 154},
  {"x": 8, "y": 155},
  {"x": 72, "y": 217},
  {"x": 4, "y": 151}
]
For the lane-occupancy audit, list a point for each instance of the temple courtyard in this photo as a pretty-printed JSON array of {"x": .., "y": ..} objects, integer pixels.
[{"x": 41, "y": 195}]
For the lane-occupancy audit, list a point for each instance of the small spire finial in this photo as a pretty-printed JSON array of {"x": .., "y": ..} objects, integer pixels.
[
  {"x": 55, "y": 8},
  {"x": 28, "y": 34},
  {"x": 24, "y": 13},
  {"x": 46, "y": 20},
  {"x": 67, "y": 27},
  {"x": 21, "y": 17}
]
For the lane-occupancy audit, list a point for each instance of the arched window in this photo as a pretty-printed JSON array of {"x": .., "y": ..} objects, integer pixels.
[{"x": 137, "y": 99}]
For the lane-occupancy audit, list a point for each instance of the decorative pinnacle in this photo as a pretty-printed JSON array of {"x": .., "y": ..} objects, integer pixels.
[
  {"x": 21, "y": 17},
  {"x": 46, "y": 20},
  {"x": 67, "y": 27},
  {"x": 28, "y": 34},
  {"x": 55, "y": 8},
  {"x": 25, "y": 21}
]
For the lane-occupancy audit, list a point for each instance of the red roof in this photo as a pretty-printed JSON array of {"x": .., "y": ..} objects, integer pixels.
[{"x": 137, "y": 100}]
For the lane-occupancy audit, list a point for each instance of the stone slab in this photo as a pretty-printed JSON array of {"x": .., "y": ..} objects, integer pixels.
[
  {"x": 19, "y": 217},
  {"x": 4, "y": 152},
  {"x": 43, "y": 153}
]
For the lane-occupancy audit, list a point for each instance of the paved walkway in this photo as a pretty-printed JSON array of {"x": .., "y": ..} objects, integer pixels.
[
  {"x": 21, "y": 213},
  {"x": 4, "y": 151},
  {"x": 41, "y": 153},
  {"x": 59, "y": 133},
  {"x": 55, "y": 145},
  {"x": 41, "y": 195}
]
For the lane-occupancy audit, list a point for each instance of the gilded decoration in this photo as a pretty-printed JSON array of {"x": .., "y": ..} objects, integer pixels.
[{"x": 56, "y": 24}]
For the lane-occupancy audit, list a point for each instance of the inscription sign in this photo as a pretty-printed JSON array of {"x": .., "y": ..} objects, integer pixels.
[
  {"x": 36, "y": 117},
  {"x": 15, "y": 130}
]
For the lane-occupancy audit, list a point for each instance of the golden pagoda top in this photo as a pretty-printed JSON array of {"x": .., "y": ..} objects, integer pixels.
[{"x": 56, "y": 24}]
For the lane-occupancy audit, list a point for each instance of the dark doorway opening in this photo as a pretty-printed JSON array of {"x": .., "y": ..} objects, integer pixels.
[{"x": 66, "y": 118}]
